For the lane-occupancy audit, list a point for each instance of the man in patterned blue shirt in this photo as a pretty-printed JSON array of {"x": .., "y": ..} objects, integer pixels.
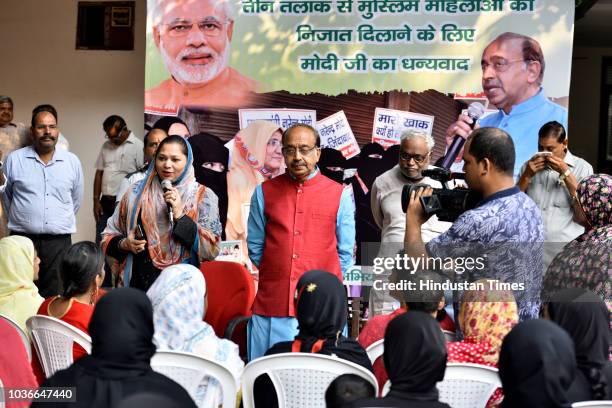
[{"x": 505, "y": 228}]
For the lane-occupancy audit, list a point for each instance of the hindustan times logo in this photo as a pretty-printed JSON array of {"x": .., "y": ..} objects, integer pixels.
[{"x": 430, "y": 285}]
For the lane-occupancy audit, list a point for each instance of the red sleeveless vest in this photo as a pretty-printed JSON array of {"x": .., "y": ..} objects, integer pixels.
[{"x": 300, "y": 236}]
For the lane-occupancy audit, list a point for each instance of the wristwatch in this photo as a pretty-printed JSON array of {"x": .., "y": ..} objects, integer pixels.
[
  {"x": 1, "y": 164},
  {"x": 564, "y": 175}
]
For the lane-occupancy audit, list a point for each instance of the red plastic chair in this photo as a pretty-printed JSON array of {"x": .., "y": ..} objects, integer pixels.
[{"x": 231, "y": 292}]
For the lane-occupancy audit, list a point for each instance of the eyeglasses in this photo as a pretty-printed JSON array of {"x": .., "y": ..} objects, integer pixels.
[
  {"x": 418, "y": 159},
  {"x": 501, "y": 64},
  {"x": 304, "y": 150},
  {"x": 210, "y": 27}
]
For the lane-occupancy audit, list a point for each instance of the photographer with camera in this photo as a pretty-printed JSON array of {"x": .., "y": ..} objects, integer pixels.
[
  {"x": 386, "y": 204},
  {"x": 505, "y": 227}
]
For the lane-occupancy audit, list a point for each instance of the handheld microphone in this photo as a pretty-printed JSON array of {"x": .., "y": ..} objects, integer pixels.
[
  {"x": 167, "y": 186},
  {"x": 475, "y": 111}
]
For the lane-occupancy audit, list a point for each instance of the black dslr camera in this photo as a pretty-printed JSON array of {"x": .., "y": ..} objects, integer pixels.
[{"x": 447, "y": 204}]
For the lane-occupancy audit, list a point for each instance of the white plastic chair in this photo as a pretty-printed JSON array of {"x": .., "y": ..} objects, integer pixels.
[
  {"x": 592, "y": 404},
  {"x": 468, "y": 385},
  {"x": 300, "y": 379},
  {"x": 190, "y": 370},
  {"x": 375, "y": 350},
  {"x": 53, "y": 340},
  {"x": 24, "y": 337}
]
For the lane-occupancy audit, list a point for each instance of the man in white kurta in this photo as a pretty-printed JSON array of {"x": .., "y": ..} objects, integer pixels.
[{"x": 386, "y": 203}]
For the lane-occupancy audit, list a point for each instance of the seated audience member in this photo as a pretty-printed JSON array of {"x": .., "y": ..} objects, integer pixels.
[
  {"x": 321, "y": 315},
  {"x": 586, "y": 261},
  {"x": 536, "y": 366},
  {"x": 587, "y": 320},
  {"x": 140, "y": 234},
  {"x": 428, "y": 301},
  {"x": 485, "y": 318},
  {"x": 178, "y": 298},
  {"x": 346, "y": 389},
  {"x": 15, "y": 369},
  {"x": 121, "y": 331},
  {"x": 82, "y": 274},
  {"x": 149, "y": 400},
  {"x": 173, "y": 126},
  {"x": 415, "y": 357},
  {"x": 19, "y": 298}
]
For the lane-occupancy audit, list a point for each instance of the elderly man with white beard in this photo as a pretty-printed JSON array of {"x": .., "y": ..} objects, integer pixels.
[{"x": 193, "y": 38}]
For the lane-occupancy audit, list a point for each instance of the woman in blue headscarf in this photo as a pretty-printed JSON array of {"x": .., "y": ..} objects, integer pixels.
[{"x": 142, "y": 237}]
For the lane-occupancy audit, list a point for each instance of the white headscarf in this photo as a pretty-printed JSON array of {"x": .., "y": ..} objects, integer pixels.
[{"x": 178, "y": 309}]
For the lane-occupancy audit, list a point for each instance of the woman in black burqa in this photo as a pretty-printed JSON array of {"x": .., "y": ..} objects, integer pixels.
[
  {"x": 210, "y": 165},
  {"x": 321, "y": 314},
  {"x": 415, "y": 358},
  {"x": 536, "y": 366},
  {"x": 121, "y": 331},
  {"x": 587, "y": 320}
]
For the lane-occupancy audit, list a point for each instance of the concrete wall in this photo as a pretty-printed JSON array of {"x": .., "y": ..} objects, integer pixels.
[{"x": 41, "y": 65}]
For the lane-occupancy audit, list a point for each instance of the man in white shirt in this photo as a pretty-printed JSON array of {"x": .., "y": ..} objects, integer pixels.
[
  {"x": 550, "y": 178},
  {"x": 120, "y": 155},
  {"x": 386, "y": 204}
]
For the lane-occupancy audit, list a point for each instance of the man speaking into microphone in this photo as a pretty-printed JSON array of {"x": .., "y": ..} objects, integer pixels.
[
  {"x": 512, "y": 76},
  {"x": 165, "y": 219}
]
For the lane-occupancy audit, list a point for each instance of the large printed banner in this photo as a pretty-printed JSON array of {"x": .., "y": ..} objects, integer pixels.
[
  {"x": 389, "y": 124},
  {"x": 332, "y": 46},
  {"x": 336, "y": 133},
  {"x": 245, "y": 70}
]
